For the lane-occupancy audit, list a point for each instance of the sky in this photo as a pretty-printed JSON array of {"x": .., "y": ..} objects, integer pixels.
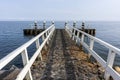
[{"x": 60, "y": 10}]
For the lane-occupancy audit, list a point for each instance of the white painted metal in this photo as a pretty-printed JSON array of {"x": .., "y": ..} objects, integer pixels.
[
  {"x": 109, "y": 71},
  {"x": 37, "y": 43},
  {"x": 23, "y": 51},
  {"x": 73, "y": 34},
  {"x": 47, "y": 35},
  {"x": 33, "y": 57},
  {"x": 82, "y": 38},
  {"x": 77, "y": 36},
  {"x": 25, "y": 61},
  {"x": 110, "y": 61},
  {"x": 37, "y": 46},
  {"x": 91, "y": 43}
]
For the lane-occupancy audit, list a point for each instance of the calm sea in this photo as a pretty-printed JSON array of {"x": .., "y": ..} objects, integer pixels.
[{"x": 11, "y": 37}]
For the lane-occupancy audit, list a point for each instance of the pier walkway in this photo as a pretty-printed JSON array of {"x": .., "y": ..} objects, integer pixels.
[
  {"x": 59, "y": 56},
  {"x": 66, "y": 61}
]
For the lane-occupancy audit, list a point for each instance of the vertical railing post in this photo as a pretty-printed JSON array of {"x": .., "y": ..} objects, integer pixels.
[
  {"x": 52, "y": 30},
  {"x": 91, "y": 43},
  {"x": 43, "y": 38},
  {"x": 37, "y": 43},
  {"x": 25, "y": 61},
  {"x": 110, "y": 61},
  {"x": 70, "y": 32},
  {"x": 82, "y": 38},
  {"x": 46, "y": 37},
  {"x": 73, "y": 34},
  {"x": 77, "y": 36},
  {"x": 82, "y": 41},
  {"x": 48, "y": 34},
  {"x": 37, "y": 46},
  {"x": 74, "y": 25},
  {"x": 91, "y": 46}
]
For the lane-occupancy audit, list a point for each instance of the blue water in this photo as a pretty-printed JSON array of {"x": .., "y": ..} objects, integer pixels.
[{"x": 11, "y": 36}]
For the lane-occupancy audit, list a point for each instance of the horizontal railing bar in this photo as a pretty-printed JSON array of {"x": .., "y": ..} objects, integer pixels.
[
  {"x": 116, "y": 50},
  {"x": 4, "y": 61}
]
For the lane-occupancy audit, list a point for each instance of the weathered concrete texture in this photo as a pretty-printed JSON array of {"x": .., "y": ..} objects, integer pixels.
[
  {"x": 66, "y": 61},
  {"x": 83, "y": 67},
  {"x": 38, "y": 66},
  {"x": 55, "y": 67}
]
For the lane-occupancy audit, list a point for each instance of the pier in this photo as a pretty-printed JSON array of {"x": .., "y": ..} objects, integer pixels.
[
  {"x": 60, "y": 56},
  {"x": 35, "y": 30}
]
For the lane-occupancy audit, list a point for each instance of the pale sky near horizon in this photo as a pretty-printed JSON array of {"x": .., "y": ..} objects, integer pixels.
[{"x": 87, "y": 10}]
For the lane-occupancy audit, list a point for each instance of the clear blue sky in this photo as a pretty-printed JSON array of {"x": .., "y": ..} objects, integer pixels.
[{"x": 88, "y": 10}]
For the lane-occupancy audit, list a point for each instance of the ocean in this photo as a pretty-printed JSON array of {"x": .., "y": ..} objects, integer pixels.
[{"x": 11, "y": 36}]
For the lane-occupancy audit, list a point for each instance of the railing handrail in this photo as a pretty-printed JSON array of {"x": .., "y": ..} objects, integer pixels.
[
  {"x": 23, "y": 49},
  {"x": 112, "y": 51},
  {"x": 115, "y": 49}
]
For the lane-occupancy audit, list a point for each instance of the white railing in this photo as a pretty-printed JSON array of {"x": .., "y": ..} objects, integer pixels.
[
  {"x": 108, "y": 66},
  {"x": 26, "y": 72}
]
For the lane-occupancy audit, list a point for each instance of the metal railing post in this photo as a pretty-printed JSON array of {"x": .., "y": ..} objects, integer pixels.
[
  {"x": 37, "y": 46},
  {"x": 46, "y": 37},
  {"x": 25, "y": 61},
  {"x": 91, "y": 46},
  {"x": 52, "y": 33},
  {"x": 77, "y": 36},
  {"x": 91, "y": 43},
  {"x": 110, "y": 61},
  {"x": 37, "y": 43},
  {"x": 73, "y": 34},
  {"x": 48, "y": 34},
  {"x": 82, "y": 38},
  {"x": 43, "y": 38}
]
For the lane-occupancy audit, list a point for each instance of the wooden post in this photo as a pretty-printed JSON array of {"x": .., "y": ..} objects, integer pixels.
[
  {"x": 44, "y": 25},
  {"x": 110, "y": 61},
  {"x": 25, "y": 61}
]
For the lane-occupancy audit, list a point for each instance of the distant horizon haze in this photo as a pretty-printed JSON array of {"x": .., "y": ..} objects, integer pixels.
[{"x": 60, "y": 10}]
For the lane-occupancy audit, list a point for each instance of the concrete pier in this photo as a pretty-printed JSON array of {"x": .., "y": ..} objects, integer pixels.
[
  {"x": 66, "y": 61},
  {"x": 59, "y": 56}
]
